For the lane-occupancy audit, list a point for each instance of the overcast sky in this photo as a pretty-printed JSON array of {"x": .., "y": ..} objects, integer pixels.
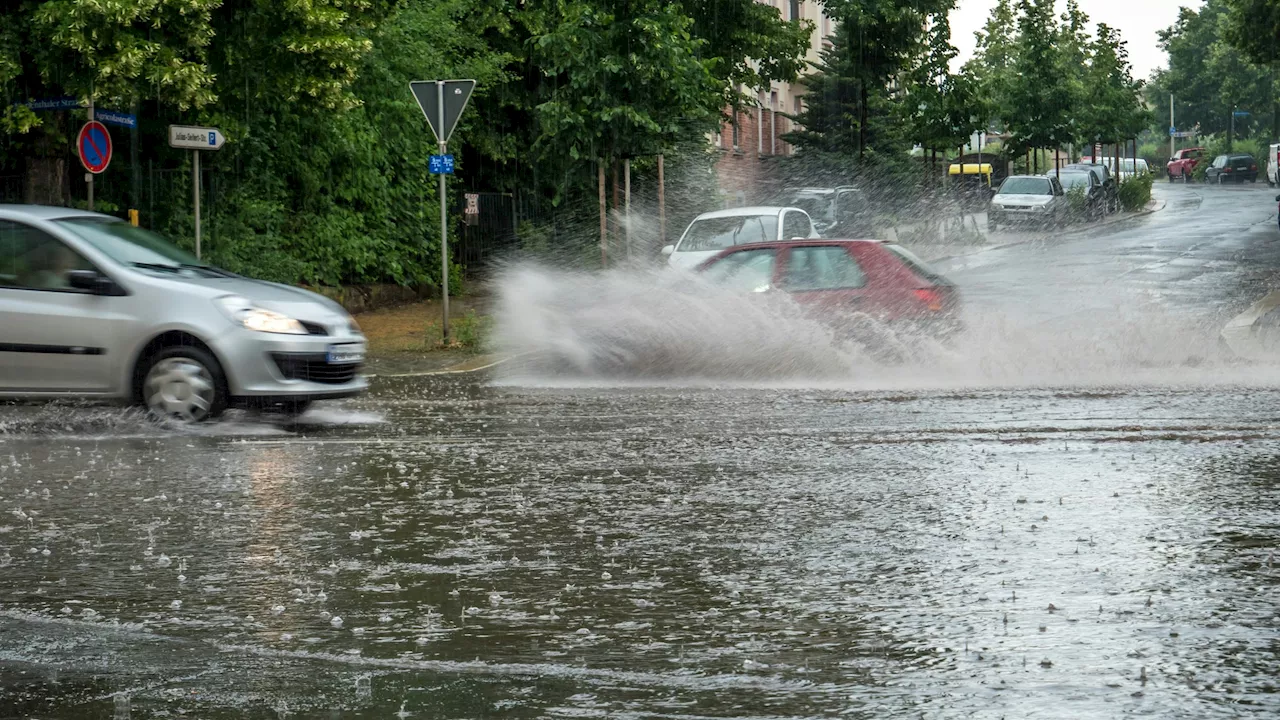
[{"x": 1137, "y": 20}]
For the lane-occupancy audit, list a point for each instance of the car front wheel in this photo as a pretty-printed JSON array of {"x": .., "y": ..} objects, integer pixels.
[{"x": 184, "y": 383}]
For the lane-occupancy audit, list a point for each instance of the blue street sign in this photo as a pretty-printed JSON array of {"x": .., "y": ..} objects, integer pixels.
[
  {"x": 115, "y": 117},
  {"x": 1240, "y": 113},
  {"x": 1173, "y": 130},
  {"x": 440, "y": 165},
  {"x": 60, "y": 103}
]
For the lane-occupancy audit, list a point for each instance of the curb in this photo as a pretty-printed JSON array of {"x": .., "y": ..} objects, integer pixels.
[
  {"x": 484, "y": 362},
  {"x": 1119, "y": 219}
]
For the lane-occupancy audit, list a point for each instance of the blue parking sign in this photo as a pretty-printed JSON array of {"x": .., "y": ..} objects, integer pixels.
[{"x": 440, "y": 165}]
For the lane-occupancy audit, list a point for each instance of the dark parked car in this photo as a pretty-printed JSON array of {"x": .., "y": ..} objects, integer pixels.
[
  {"x": 837, "y": 278},
  {"x": 1095, "y": 194},
  {"x": 1232, "y": 168},
  {"x": 1110, "y": 188}
]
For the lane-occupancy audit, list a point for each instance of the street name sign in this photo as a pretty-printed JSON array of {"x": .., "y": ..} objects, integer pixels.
[{"x": 186, "y": 137}]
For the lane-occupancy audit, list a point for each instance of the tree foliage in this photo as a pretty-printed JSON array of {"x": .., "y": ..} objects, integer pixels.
[
  {"x": 1253, "y": 27},
  {"x": 1209, "y": 76}
]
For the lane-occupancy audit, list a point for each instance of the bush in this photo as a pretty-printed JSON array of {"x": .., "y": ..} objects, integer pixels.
[
  {"x": 1135, "y": 192},
  {"x": 471, "y": 331},
  {"x": 1077, "y": 199}
]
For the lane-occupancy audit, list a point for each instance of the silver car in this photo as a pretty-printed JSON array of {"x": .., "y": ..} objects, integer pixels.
[
  {"x": 93, "y": 307},
  {"x": 1033, "y": 199}
]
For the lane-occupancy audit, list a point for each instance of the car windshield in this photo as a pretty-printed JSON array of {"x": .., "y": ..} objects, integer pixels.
[
  {"x": 723, "y": 232},
  {"x": 1026, "y": 186},
  {"x": 138, "y": 248},
  {"x": 1076, "y": 179},
  {"x": 817, "y": 206}
]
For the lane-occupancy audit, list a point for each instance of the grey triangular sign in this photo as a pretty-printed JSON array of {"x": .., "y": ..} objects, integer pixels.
[{"x": 456, "y": 95}]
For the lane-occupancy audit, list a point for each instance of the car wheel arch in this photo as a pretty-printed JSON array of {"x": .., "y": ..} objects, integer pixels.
[{"x": 162, "y": 341}]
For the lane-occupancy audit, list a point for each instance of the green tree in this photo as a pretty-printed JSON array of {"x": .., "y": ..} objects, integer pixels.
[
  {"x": 1253, "y": 27},
  {"x": 945, "y": 109},
  {"x": 992, "y": 66},
  {"x": 1041, "y": 102}
]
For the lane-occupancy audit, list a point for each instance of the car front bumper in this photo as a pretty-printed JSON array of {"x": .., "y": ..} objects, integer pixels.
[
  {"x": 1018, "y": 213},
  {"x": 273, "y": 366}
]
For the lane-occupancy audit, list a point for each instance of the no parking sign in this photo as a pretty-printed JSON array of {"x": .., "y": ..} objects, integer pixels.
[{"x": 94, "y": 144}]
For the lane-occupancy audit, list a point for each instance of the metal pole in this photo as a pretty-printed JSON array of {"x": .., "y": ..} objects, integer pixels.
[
  {"x": 604, "y": 231},
  {"x": 626, "y": 171},
  {"x": 1172, "y": 141},
  {"x": 88, "y": 176},
  {"x": 195, "y": 194},
  {"x": 662, "y": 205},
  {"x": 444, "y": 225}
]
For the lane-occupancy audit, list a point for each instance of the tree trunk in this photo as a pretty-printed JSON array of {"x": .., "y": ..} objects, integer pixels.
[
  {"x": 863, "y": 114},
  {"x": 48, "y": 171}
]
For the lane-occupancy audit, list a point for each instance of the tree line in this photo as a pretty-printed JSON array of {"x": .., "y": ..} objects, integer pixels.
[{"x": 324, "y": 176}]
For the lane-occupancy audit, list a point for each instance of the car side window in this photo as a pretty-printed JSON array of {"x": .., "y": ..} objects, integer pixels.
[
  {"x": 795, "y": 225},
  {"x": 828, "y": 267},
  {"x": 743, "y": 270},
  {"x": 33, "y": 260}
]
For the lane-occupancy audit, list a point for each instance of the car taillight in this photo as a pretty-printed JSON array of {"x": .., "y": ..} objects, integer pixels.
[
  {"x": 930, "y": 297},
  {"x": 1253, "y": 167}
]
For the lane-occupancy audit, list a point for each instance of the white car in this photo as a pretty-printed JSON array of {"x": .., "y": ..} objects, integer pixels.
[
  {"x": 1128, "y": 165},
  {"x": 712, "y": 232},
  {"x": 1033, "y": 199}
]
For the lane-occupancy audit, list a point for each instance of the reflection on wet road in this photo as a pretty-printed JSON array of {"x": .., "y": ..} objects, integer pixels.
[
  {"x": 450, "y": 548},
  {"x": 657, "y": 552}
]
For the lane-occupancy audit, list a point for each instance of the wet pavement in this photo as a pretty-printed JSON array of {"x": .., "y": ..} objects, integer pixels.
[{"x": 497, "y": 546}]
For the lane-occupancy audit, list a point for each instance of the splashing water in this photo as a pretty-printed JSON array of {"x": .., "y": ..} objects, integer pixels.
[{"x": 657, "y": 325}]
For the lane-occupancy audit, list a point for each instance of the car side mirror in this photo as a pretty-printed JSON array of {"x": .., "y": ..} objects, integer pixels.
[
  {"x": 667, "y": 250},
  {"x": 93, "y": 282}
]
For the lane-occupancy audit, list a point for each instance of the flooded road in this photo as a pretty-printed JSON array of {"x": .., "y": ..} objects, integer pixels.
[{"x": 458, "y": 547}]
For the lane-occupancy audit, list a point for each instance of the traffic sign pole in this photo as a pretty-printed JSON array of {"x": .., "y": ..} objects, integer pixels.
[
  {"x": 444, "y": 221},
  {"x": 195, "y": 194},
  {"x": 88, "y": 177}
]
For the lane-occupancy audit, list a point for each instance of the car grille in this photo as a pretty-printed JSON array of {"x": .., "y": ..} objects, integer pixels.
[
  {"x": 314, "y": 328},
  {"x": 314, "y": 367}
]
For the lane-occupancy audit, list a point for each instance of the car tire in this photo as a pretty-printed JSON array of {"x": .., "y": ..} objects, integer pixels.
[
  {"x": 1170, "y": 177},
  {"x": 992, "y": 225},
  {"x": 185, "y": 383}
]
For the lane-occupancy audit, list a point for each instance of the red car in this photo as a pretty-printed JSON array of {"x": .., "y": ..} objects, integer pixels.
[
  {"x": 840, "y": 277},
  {"x": 1183, "y": 163}
]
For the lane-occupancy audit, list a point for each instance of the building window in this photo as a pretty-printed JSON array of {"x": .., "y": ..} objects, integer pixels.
[
  {"x": 795, "y": 9},
  {"x": 798, "y": 107},
  {"x": 773, "y": 100},
  {"x": 737, "y": 130}
]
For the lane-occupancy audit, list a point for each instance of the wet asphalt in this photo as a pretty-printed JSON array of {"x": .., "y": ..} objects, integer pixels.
[{"x": 495, "y": 546}]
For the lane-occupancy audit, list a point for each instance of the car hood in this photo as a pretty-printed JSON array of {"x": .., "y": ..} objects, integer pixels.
[
  {"x": 690, "y": 260},
  {"x": 1022, "y": 200},
  {"x": 292, "y": 301}
]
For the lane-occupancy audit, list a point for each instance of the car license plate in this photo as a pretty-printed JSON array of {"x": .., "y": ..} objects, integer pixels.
[{"x": 346, "y": 354}]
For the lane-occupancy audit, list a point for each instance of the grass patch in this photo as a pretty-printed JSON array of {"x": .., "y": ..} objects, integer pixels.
[{"x": 416, "y": 329}]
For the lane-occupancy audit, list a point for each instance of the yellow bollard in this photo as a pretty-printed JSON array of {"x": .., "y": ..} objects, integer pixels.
[{"x": 133, "y": 218}]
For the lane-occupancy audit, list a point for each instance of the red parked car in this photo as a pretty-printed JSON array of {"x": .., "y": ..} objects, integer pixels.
[
  {"x": 1183, "y": 163},
  {"x": 839, "y": 278}
]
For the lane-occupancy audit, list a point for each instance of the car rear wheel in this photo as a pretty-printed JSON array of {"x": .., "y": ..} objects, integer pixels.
[{"x": 184, "y": 383}]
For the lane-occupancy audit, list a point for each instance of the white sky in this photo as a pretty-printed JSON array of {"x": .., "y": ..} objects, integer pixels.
[{"x": 1137, "y": 21}]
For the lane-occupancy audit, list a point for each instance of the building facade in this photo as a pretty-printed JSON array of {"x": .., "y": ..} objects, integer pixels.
[{"x": 749, "y": 136}]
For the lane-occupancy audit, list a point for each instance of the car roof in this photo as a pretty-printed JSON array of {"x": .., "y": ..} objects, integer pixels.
[
  {"x": 49, "y": 212},
  {"x": 746, "y": 211},
  {"x": 810, "y": 242}
]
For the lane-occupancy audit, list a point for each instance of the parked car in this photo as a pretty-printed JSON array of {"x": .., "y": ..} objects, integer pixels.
[
  {"x": 1095, "y": 195},
  {"x": 1273, "y": 164},
  {"x": 1183, "y": 163},
  {"x": 713, "y": 232},
  {"x": 1109, "y": 184},
  {"x": 1133, "y": 166},
  {"x": 841, "y": 277},
  {"x": 836, "y": 211},
  {"x": 93, "y": 307},
  {"x": 1237, "y": 167},
  {"x": 1034, "y": 199}
]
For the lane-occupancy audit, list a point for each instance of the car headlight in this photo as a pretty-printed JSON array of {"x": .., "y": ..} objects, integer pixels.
[{"x": 242, "y": 311}]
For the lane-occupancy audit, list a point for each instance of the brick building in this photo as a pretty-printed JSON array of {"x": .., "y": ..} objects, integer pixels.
[{"x": 756, "y": 133}]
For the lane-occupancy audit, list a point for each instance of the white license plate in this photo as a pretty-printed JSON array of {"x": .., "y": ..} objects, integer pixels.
[{"x": 346, "y": 354}]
